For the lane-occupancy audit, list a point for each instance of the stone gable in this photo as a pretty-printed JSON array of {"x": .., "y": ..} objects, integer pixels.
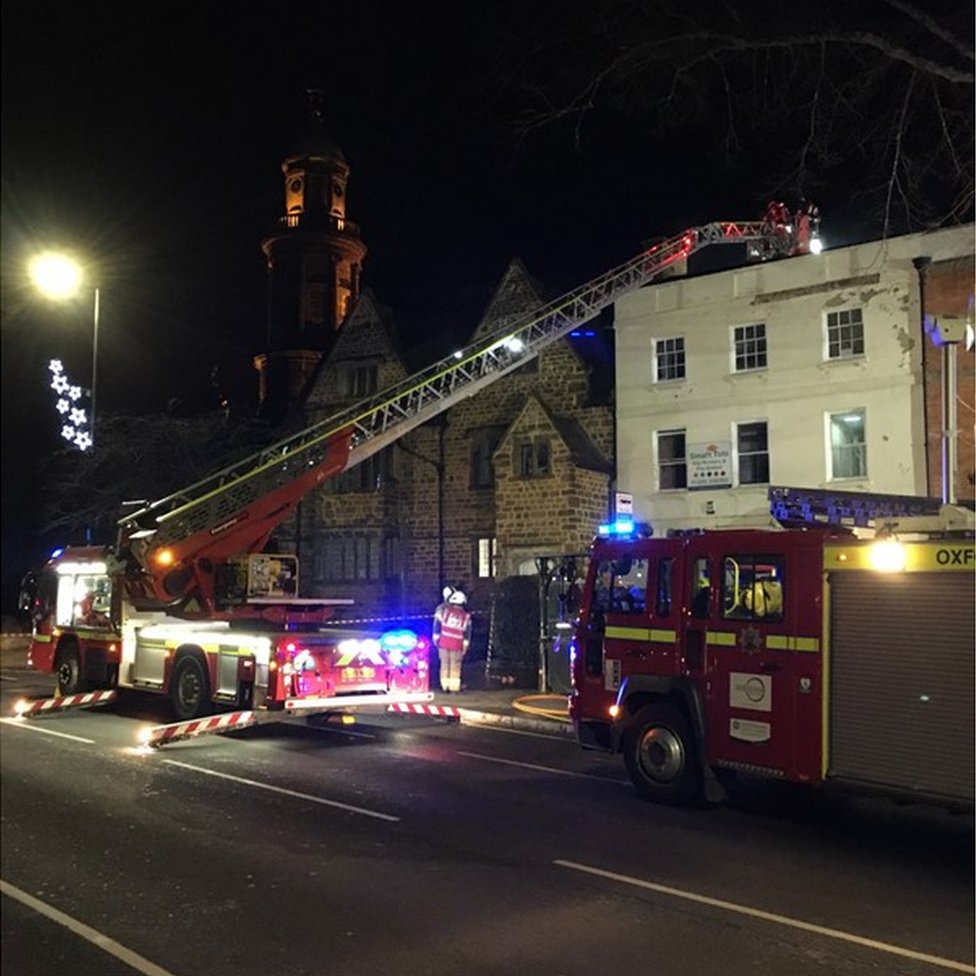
[{"x": 424, "y": 512}]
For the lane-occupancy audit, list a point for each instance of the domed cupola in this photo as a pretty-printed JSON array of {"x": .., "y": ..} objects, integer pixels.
[{"x": 314, "y": 259}]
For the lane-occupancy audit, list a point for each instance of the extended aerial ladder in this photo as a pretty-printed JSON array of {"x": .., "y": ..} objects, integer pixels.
[{"x": 170, "y": 546}]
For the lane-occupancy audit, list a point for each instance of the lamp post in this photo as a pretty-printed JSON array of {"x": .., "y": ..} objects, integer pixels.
[{"x": 60, "y": 277}]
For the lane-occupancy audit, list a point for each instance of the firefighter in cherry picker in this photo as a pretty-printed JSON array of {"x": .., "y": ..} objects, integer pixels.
[
  {"x": 778, "y": 227},
  {"x": 807, "y": 227},
  {"x": 451, "y": 637}
]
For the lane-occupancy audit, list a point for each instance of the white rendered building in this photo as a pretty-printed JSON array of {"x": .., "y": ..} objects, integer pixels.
[{"x": 805, "y": 372}]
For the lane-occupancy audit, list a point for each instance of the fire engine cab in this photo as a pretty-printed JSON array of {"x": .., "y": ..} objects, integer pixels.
[{"x": 803, "y": 654}]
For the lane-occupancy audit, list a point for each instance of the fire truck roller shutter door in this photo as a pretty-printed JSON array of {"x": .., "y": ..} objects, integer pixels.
[{"x": 660, "y": 754}]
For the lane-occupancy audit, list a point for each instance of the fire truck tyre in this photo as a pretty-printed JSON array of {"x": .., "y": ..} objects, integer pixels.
[
  {"x": 660, "y": 755},
  {"x": 68, "y": 670},
  {"x": 190, "y": 689}
]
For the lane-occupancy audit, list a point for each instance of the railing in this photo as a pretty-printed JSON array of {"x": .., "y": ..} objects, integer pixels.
[{"x": 319, "y": 221}]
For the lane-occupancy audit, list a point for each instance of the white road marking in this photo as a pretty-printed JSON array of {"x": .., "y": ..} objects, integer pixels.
[
  {"x": 113, "y": 948},
  {"x": 541, "y": 769},
  {"x": 23, "y": 723},
  {"x": 282, "y": 790},
  {"x": 492, "y": 727},
  {"x": 795, "y": 923}
]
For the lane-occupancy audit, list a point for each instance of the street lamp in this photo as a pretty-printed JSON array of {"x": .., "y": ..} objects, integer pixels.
[{"x": 60, "y": 277}]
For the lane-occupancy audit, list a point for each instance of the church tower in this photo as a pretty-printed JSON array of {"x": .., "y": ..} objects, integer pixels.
[{"x": 314, "y": 259}]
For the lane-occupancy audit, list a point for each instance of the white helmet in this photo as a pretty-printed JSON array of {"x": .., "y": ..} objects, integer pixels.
[{"x": 455, "y": 596}]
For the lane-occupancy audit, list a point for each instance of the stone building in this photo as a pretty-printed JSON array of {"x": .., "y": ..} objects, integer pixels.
[{"x": 518, "y": 471}]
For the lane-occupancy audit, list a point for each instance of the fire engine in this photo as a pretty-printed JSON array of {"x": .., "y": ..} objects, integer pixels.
[
  {"x": 835, "y": 646},
  {"x": 187, "y": 604}
]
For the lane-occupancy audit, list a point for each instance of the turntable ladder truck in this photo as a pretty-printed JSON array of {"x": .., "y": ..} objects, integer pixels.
[{"x": 186, "y": 604}]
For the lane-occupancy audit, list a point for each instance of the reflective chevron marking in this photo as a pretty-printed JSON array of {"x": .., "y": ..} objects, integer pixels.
[
  {"x": 42, "y": 705},
  {"x": 443, "y": 711}
]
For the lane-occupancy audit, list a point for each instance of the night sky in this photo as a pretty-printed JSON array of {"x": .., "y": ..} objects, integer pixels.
[{"x": 148, "y": 139}]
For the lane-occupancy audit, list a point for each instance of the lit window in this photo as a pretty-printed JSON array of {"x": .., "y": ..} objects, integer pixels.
[
  {"x": 845, "y": 334},
  {"x": 487, "y": 557},
  {"x": 672, "y": 464},
  {"x": 752, "y": 447},
  {"x": 750, "y": 347},
  {"x": 848, "y": 447},
  {"x": 669, "y": 359}
]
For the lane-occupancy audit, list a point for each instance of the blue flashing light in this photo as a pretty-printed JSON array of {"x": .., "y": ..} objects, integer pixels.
[
  {"x": 402, "y": 639},
  {"x": 57, "y": 552},
  {"x": 619, "y": 526}
]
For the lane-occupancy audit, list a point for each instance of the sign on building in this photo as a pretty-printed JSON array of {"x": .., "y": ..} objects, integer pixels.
[
  {"x": 710, "y": 465},
  {"x": 623, "y": 503}
]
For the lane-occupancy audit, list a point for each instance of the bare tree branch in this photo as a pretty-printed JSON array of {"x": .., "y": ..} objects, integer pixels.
[{"x": 930, "y": 24}]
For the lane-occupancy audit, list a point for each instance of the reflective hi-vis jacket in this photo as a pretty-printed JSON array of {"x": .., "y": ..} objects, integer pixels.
[{"x": 454, "y": 624}]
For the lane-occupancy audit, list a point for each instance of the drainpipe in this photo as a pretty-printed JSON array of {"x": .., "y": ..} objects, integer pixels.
[{"x": 922, "y": 264}]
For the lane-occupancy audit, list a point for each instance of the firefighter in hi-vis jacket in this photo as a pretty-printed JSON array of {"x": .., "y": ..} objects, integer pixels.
[{"x": 451, "y": 636}]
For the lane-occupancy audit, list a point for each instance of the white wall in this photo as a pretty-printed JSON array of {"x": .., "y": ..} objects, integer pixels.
[{"x": 799, "y": 387}]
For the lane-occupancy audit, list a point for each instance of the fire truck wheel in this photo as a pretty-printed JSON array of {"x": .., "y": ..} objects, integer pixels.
[
  {"x": 660, "y": 755},
  {"x": 190, "y": 689},
  {"x": 68, "y": 670}
]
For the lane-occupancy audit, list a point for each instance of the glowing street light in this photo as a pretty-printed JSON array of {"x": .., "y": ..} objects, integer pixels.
[{"x": 60, "y": 277}]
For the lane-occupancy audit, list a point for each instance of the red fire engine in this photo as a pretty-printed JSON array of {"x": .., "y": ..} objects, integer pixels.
[
  {"x": 187, "y": 604},
  {"x": 802, "y": 654}
]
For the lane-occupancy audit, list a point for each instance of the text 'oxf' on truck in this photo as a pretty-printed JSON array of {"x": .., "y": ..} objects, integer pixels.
[
  {"x": 187, "y": 604},
  {"x": 806, "y": 652}
]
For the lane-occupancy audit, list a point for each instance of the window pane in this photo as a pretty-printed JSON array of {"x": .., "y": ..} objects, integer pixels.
[
  {"x": 848, "y": 450},
  {"x": 753, "y": 454},
  {"x": 672, "y": 466},
  {"x": 750, "y": 347},
  {"x": 665, "y": 573},
  {"x": 669, "y": 357},
  {"x": 752, "y": 587},
  {"x": 542, "y": 457},
  {"x": 487, "y": 548},
  {"x": 845, "y": 334},
  {"x": 701, "y": 587}
]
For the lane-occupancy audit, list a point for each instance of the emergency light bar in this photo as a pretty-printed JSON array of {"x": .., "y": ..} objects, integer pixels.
[{"x": 623, "y": 527}]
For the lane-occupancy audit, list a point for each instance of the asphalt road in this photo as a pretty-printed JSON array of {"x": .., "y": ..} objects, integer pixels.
[{"x": 415, "y": 846}]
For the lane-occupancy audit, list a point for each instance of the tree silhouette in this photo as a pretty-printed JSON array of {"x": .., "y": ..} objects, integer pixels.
[
  {"x": 137, "y": 457},
  {"x": 875, "y": 97}
]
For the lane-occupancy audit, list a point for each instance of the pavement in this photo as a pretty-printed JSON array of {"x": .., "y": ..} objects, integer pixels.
[{"x": 514, "y": 708}]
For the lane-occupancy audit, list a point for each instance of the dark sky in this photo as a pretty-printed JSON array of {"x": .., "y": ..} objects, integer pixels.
[{"x": 149, "y": 137}]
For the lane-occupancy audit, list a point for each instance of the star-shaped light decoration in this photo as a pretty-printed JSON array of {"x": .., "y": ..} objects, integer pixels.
[{"x": 77, "y": 428}]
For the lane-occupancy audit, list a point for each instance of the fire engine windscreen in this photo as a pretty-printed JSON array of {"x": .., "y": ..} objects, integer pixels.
[{"x": 621, "y": 586}]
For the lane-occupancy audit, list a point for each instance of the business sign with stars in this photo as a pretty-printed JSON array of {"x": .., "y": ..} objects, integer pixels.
[{"x": 710, "y": 465}]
